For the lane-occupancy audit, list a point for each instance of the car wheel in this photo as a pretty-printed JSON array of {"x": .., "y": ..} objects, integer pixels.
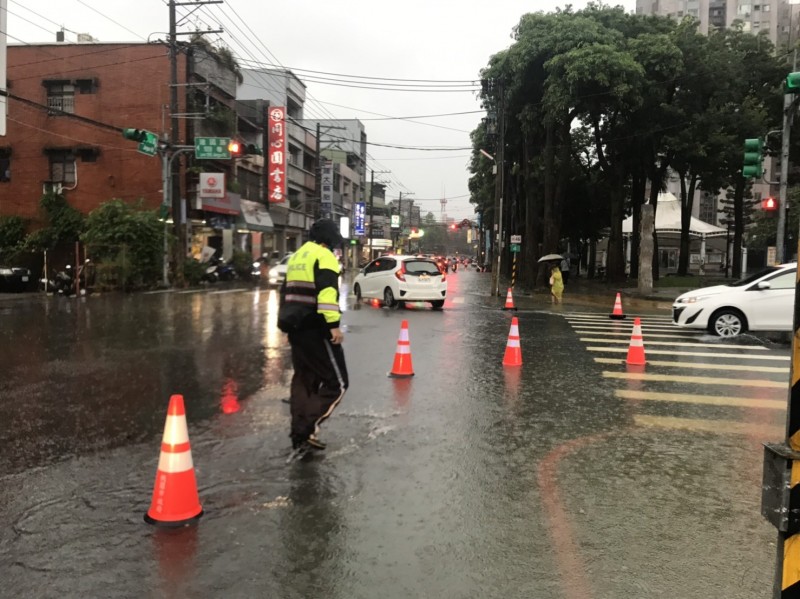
[
  {"x": 727, "y": 323},
  {"x": 388, "y": 298},
  {"x": 438, "y": 304},
  {"x": 357, "y": 291}
]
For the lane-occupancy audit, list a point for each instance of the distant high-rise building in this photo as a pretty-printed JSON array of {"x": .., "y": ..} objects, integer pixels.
[{"x": 778, "y": 19}]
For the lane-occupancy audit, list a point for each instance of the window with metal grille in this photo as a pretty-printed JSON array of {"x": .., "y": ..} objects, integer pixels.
[
  {"x": 5, "y": 165},
  {"x": 62, "y": 167},
  {"x": 60, "y": 97}
]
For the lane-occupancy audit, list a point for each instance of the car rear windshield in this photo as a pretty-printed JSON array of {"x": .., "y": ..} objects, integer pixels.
[{"x": 418, "y": 267}]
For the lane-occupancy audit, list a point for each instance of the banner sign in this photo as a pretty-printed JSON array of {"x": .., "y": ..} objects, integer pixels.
[
  {"x": 276, "y": 156},
  {"x": 327, "y": 187},
  {"x": 395, "y": 221},
  {"x": 212, "y": 185},
  {"x": 360, "y": 214}
]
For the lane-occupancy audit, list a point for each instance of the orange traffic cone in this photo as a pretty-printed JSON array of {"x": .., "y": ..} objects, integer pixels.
[
  {"x": 509, "y": 301},
  {"x": 402, "y": 357},
  {"x": 636, "y": 348},
  {"x": 617, "y": 313},
  {"x": 175, "y": 500},
  {"x": 513, "y": 355}
]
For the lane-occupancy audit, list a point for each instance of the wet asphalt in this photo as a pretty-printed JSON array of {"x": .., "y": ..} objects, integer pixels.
[{"x": 468, "y": 480}]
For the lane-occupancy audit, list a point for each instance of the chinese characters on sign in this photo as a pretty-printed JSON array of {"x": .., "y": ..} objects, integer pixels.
[
  {"x": 360, "y": 213},
  {"x": 326, "y": 198},
  {"x": 211, "y": 148},
  {"x": 276, "y": 155}
]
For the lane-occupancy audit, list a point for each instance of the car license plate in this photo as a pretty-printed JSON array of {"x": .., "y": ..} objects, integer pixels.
[
  {"x": 424, "y": 279},
  {"x": 24, "y": 279}
]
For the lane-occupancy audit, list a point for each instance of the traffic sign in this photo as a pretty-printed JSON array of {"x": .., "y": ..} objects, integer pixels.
[
  {"x": 515, "y": 247},
  {"x": 150, "y": 144},
  {"x": 211, "y": 148},
  {"x": 516, "y": 239}
]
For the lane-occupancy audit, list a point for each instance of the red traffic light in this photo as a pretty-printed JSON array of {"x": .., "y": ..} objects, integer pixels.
[
  {"x": 453, "y": 227},
  {"x": 769, "y": 204},
  {"x": 235, "y": 148}
]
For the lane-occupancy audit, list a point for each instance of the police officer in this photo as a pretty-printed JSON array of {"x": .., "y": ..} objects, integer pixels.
[{"x": 309, "y": 313}]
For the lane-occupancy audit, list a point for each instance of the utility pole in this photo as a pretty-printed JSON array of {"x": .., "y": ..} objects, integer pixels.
[
  {"x": 789, "y": 105},
  {"x": 264, "y": 110},
  {"x": 371, "y": 204},
  {"x": 498, "y": 190},
  {"x": 179, "y": 212}
]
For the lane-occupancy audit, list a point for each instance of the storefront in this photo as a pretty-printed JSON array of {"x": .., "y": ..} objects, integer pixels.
[
  {"x": 217, "y": 228},
  {"x": 254, "y": 229}
]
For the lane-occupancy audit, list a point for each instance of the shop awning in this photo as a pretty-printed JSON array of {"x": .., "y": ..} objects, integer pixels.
[{"x": 254, "y": 217}]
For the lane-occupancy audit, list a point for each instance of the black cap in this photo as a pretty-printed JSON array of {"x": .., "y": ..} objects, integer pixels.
[{"x": 326, "y": 231}]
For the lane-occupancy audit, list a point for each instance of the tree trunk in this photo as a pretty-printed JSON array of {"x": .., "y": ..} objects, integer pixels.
[
  {"x": 550, "y": 233},
  {"x": 656, "y": 181},
  {"x": 646, "y": 249},
  {"x": 616, "y": 257},
  {"x": 637, "y": 199},
  {"x": 686, "y": 215}
]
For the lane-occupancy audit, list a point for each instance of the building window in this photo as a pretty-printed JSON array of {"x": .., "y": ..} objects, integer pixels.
[
  {"x": 60, "y": 96},
  {"x": 708, "y": 208},
  {"x": 5, "y": 165},
  {"x": 62, "y": 167},
  {"x": 765, "y": 7}
]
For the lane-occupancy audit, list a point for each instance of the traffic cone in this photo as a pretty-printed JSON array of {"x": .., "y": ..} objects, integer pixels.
[
  {"x": 513, "y": 355},
  {"x": 509, "y": 301},
  {"x": 617, "y": 313},
  {"x": 636, "y": 348},
  {"x": 175, "y": 501},
  {"x": 402, "y": 357}
]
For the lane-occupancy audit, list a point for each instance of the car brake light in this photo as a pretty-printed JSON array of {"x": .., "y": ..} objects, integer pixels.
[{"x": 401, "y": 274}]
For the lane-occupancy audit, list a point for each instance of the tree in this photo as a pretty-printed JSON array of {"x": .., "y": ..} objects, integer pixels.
[
  {"x": 64, "y": 224},
  {"x": 126, "y": 242}
]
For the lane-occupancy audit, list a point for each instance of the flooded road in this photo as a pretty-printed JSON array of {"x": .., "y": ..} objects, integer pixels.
[{"x": 568, "y": 477}]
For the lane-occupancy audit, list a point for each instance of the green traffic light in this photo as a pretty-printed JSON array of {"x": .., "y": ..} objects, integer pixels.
[
  {"x": 753, "y": 158},
  {"x": 139, "y": 135},
  {"x": 793, "y": 83}
]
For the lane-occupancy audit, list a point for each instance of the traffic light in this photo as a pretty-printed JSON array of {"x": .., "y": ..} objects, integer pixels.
[
  {"x": 792, "y": 83},
  {"x": 753, "y": 158},
  {"x": 238, "y": 149},
  {"x": 453, "y": 227},
  {"x": 139, "y": 135},
  {"x": 769, "y": 204}
]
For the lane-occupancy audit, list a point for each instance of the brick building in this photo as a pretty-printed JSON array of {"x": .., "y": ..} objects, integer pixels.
[{"x": 67, "y": 103}]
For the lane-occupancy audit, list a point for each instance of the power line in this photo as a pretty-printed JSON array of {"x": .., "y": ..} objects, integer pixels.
[{"x": 105, "y": 16}]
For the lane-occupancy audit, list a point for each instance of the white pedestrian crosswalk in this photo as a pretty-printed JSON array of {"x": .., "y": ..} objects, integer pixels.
[{"x": 689, "y": 374}]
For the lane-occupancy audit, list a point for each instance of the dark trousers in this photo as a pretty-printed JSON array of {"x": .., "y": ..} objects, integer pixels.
[
  {"x": 319, "y": 381},
  {"x": 565, "y": 276}
]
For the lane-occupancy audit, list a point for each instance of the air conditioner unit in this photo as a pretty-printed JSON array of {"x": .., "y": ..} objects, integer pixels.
[{"x": 52, "y": 187}]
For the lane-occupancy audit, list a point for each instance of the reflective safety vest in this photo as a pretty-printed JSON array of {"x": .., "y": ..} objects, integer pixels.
[{"x": 311, "y": 289}]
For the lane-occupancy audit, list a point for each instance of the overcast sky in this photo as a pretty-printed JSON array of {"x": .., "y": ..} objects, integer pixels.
[{"x": 437, "y": 40}]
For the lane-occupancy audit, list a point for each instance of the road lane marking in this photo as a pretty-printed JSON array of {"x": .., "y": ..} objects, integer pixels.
[
  {"x": 222, "y": 291},
  {"x": 709, "y": 426},
  {"x": 624, "y": 350},
  {"x": 673, "y": 343},
  {"x": 600, "y": 315},
  {"x": 696, "y": 380},
  {"x": 645, "y": 326},
  {"x": 628, "y": 334},
  {"x": 709, "y": 400},
  {"x": 701, "y": 365}
]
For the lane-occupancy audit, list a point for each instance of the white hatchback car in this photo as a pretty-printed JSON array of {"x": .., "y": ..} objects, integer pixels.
[
  {"x": 398, "y": 279},
  {"x": 763, "y": 301}
]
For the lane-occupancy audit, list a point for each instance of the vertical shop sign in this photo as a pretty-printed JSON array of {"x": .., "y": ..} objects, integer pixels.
[{"x": 276, "y": 156}]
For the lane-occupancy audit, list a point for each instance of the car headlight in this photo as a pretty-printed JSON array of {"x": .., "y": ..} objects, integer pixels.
[
  {"x": 256, "y": 264},
  {"x": 273, "y": 272},
  {"x": 692, "y": 299}
]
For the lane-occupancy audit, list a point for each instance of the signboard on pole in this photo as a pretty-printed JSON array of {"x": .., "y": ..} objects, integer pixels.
[
  {"x": 212, "y": 148},
  {"x": 395, "y": 221},
  {"x": 772, "y": 255},
  {"x": 516, "y": 239},
  {"x": 149, "y": 146},
  {"x": 515, "y": 247},
  {"x": 276, "y": 155},
  {"x": 359, "y": 217},
  {"x": 326, "y": 183},
  {"x": 212, "y": 185}
]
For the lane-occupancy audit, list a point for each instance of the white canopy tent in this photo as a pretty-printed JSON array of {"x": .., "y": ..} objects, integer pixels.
[{"x": 668, "y": 220}]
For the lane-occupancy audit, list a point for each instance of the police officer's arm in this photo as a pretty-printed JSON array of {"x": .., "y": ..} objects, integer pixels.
[{"x": 326, "y": 278}]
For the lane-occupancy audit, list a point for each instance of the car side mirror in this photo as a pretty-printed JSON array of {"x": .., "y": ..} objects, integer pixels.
[{"x": 764, "y": 285}]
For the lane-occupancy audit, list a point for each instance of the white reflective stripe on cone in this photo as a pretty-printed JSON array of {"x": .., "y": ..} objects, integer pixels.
[
  {"x": 403, "y": 349},
  {"x": 175, "y": 462},
  {"x": 513, "y": 343},
  {"x": 514, "y": 331},
  {"x": 403, "y": 334},
  {"x": 175, "y": 430}
]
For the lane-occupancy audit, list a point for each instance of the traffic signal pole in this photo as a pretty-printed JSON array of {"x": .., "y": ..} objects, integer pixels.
[{"x": 498, "y": 190}]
